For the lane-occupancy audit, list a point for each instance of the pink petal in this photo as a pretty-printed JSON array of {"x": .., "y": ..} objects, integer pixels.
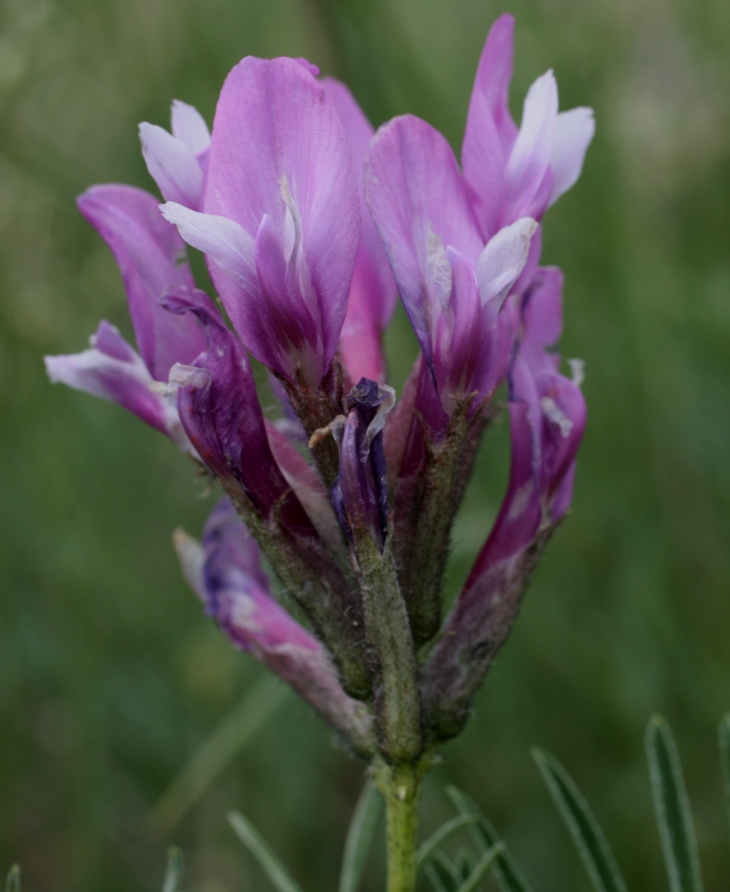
[
  {"x": 151, "y": 259},
  {"x": 189, "y": 127},
  {"x": 527, "y": 175},
  {"x": 114, "y": 371},
  {"x": 276, "y": 133},
  {"x": 372, "y": 292},
  {"x": 172, "y": 165},
  {"x": 421, "y": 206},
  {"x": 490, "y": 130}
]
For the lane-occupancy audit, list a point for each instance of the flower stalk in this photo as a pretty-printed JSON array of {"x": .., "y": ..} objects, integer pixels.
[{"x": 401, "y": 788}]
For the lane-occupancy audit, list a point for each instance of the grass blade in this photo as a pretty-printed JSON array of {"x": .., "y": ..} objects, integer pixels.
[
  {"x": 724, "y": 735},
  {"x": 585, "y": 831},
  {"x": 671, "y": 806},
  {"x": 175, "y": 870},
  {"x": 12, "y": 883},
  {"x": 360, "y": 837},
  {"x": 257, "y": 707},
  {"x": 443, "y": 833},
  {"x": 509, "y": 876},
  {"x": 259, "y": 848},
  {"x": 483, "y": 865}
]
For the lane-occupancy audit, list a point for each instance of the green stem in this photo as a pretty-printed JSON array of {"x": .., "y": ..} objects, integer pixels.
[{"x": 401, "y": 786}]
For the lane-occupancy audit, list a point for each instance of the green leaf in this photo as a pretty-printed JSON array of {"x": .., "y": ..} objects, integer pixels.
[
  {"x": 175, "y": 870},
  {"x": 443, "y": 874},
  {"x": 12, "y": 883},
  {"x": 508, "y": 874},
  {"x": 724, "y": 735},
  {"x": 428, "y": 848},
  {"x": 582, "y": 825},
  {"x": 360, "y": 837},
  {"x": 671, "y": 806},
  {"x": 269, "y": 862},
  {"x": 239, "y": 728},
  {"x": 482, "y": 867},
  {"x": 465, "y": 861}
]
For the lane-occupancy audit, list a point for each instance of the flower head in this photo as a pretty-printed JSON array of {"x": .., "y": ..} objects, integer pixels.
[{"x": 310, "y": 223}]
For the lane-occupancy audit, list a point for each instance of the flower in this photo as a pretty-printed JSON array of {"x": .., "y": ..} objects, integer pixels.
[
  {"x": 280, "y": 222},
  {"x": 547, "y": 419},
  {"x": 310, "y": 222},
  {"x": 152, "y": 261},
  {"x": 225, "y": 571}
]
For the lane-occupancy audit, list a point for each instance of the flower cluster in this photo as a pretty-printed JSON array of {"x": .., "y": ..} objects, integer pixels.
[{"x": 311, "y": 226}]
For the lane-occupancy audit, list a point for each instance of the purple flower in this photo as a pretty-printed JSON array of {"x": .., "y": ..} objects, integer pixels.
[
  {"x": 360, "y": 493},
  {"x": 221, "y": 414},
  {"x": 225, "y": 571},
  {"x": 547, "y": 420},
  {"x": 518, "y": 173},
  {"x": 151, "y": 259},
  {"x": 280, "y": 224},
  {"x": 372, "y": 292},
  {"x": 452, "y": 284},
  {"x": 177, "y": 161}
]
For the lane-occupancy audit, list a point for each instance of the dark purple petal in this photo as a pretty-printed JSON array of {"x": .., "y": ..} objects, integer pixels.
[
  {"x": 220, "y": 411},
  {"x": 152, "y": 261},
  {"x": 360, "y": 493},
  {"x": 278, "y": 149},
  {"x": 114, "y": 371},
  {"x": 373, "y": 291}
]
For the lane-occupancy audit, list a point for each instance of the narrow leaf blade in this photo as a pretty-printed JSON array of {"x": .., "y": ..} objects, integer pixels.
[
  {"x": 482, "y": 867},
  {"x": 259, "y": 848},
  {"x": 509, "y": 876},
  {"x": 12, "y": 883},
  {"x": 360, "y": 837},
  {"x": 428, "y": 848},
  {"x": 724, "y": 735},
  {"x": 674, "y": 819},
  {"x": 442, "y": 872},
  {"x": 584, "y": 830},
  {"x": 175, "y": 870},
  {"x": 257, "y": 707}
]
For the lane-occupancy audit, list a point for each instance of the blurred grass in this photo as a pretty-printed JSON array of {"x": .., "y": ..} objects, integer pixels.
[{"x": 110, "y": 678}]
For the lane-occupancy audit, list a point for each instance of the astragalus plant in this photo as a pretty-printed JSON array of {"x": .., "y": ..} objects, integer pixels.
[{"x": 325, "y": 557}]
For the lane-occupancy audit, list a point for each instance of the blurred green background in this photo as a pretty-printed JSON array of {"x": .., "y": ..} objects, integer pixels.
[{"x": 111, "y": 680}]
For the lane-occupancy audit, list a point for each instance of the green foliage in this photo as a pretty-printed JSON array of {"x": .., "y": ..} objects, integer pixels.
[
  {"x": 175, "y": 870},
  {"x": 506, "y": 871},
  {"x": 12, "y": 883},
  {"x": 228, "y": 741},
  {"x": 724, "y": 738},
  {"x": 280, "y": 877},
  {"x": 671, "y": 805},
  {"x": 430, "y": 846},
  {"x": 582, "y": 825},
  {"x": 360, "y": 837}
]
